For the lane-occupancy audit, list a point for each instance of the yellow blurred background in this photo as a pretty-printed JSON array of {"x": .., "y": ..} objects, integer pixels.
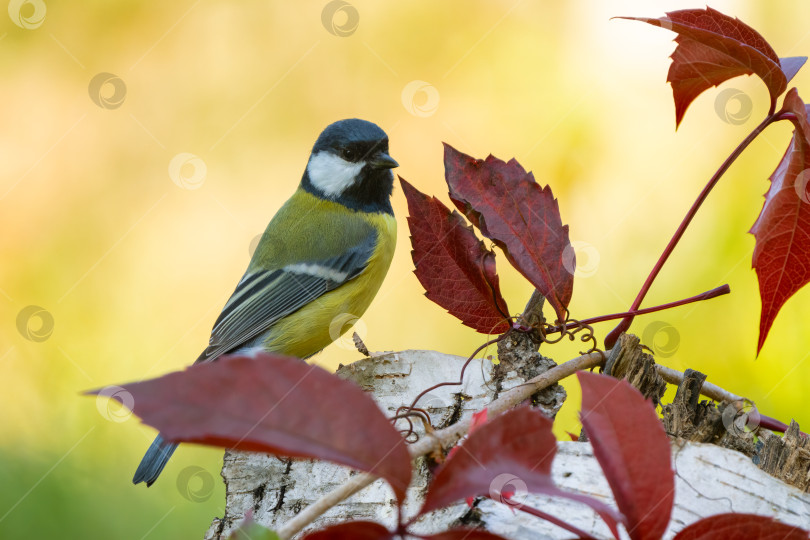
[{"x": 145, "y": 146}]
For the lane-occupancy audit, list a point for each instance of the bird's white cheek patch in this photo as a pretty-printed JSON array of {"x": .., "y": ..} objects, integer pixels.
[{"x": 332, "y": 174}]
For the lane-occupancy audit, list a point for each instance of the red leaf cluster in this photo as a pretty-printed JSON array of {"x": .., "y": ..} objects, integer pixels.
[
  {"x": 713, "y": 48},
  {"x": 506, "y": 204}
]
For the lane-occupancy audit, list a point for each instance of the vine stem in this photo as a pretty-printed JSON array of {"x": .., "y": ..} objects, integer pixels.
[
  {"x": 714, "y": 293},
  {"x": 614, "y": 334},
  {"x": 461, "y": 375},
  {"x": 552, "y": 519}
]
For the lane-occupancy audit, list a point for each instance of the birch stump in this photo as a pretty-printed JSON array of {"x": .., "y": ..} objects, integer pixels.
[{"x": 709, "y": 480}]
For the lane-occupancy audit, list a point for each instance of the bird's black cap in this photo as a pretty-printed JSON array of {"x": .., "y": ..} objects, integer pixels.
[{"x": 346, "y": 132}]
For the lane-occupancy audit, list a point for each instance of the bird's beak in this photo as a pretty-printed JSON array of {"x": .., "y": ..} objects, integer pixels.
[{"x": 383, "y": 161}]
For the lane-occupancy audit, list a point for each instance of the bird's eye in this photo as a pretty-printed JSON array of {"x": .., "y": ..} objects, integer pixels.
[{"x": 348, "y": 154}]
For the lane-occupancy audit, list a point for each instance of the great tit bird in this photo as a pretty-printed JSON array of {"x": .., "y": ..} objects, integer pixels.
[{"x": 323, "y": 255}]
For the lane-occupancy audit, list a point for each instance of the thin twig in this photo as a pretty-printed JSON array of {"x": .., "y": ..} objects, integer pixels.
[
  {"x": 765, "y": 424},
  {"x": 711, "y": 391}
]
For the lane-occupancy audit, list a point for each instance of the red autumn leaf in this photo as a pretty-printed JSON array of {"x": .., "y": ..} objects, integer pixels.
[
  {"x": 453, "y": 265},
  {"x": 522, "y": 218},
  {"x": 633, "y": 450},
  {"x": 782, "y": 230},
  {"x": 510, "y": 454},
  {"x": 352, "y": 530},
  {"x": 713, "y": 48},
  {"x": 276, "y": 404},
  {"x": 478, "y": 420},
  {"x": 740, "y": 527},
  {"x": 464, "y": 534}
]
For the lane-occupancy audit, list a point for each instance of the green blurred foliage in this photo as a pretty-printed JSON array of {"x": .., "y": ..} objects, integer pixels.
[{"x": 133, "y": 267}]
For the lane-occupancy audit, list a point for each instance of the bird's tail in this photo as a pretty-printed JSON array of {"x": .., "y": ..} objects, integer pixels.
[{"x": 153, "y": 461}]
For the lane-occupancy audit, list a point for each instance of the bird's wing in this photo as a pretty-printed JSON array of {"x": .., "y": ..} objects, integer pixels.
[{"x": 263, "y": 297}]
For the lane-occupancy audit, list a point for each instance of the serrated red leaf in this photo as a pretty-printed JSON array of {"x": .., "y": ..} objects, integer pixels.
[
  {"x": 275, "y": 404},
  {"x": 464, "y": 534},
  {"x": 511, "y": 453},
  {"x": 713, "y": 48},
  {"x": 352, "y": 530},
  {"x": 453, "y": 265},
  {"x": 633, "y": 450},
  {"x": 782, "y": 230},
  {"x": 740, "y": 527},
  {"x": 509, "y": 207}
]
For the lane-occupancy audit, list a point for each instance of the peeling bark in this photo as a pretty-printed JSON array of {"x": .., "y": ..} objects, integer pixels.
[
  {"x": 788, "y": 457},
  {"x": 627, "y": 360},
  {"x": 703, "y": 421}
]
